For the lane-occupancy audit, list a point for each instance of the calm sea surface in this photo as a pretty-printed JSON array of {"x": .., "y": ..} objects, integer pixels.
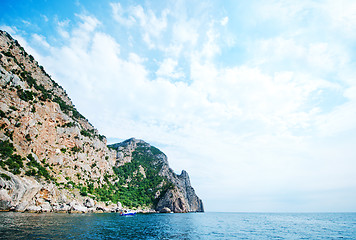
[{"x": 178, "y": 226}]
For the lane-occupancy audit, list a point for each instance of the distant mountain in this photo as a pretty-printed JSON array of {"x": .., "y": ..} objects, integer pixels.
[{"x": 53, "y": 159}]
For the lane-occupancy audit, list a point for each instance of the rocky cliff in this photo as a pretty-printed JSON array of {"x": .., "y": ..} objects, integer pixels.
[
  {"x": 174, "y": 191},
  {"x": 53, "y": 159}
]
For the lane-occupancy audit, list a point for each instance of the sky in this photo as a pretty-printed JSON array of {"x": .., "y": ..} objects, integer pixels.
[{"x": 255, "y": 99}]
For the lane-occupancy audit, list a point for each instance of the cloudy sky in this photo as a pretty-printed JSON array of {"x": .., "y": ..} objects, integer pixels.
[{"x": 255, "y": 99}]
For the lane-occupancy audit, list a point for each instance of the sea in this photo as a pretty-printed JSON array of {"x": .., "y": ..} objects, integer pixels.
[{"x": 15, "y": 225}]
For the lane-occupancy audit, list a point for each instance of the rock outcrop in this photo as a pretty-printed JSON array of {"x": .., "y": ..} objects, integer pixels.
[
  {"x": 53, "y": 159},
  {"x": 180, "y": 197}
]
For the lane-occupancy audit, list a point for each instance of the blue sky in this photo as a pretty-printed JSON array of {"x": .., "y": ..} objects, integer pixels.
[{"x": 255, "y": 99}]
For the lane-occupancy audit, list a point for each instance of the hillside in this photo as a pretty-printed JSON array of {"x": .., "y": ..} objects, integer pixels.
[{"x": 53, "y": 159}]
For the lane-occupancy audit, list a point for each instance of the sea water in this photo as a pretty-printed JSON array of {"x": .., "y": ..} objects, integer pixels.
[{"x": 178, "y": 226}]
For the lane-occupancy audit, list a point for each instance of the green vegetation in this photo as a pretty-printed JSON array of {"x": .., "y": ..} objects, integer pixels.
[
  {"x": 91, "y": 133},
  {"x": 155, "y": 151},
  {"x": 28, "y": 138},
  {"x": 9, "y": 160},
  {"x": 76, "y": 149},
  {"x": 67, "y": 108},
  {"x": 83, "y": 191},
  {"x": 68, "y": 125},
  {"x": 9, "y": 133},
  {"x": 133, "y": 189},
  {"x": 85, "y": 133},
  {"x": 7, "y": 54},
  {"x": 14, "y": 162},
  {"x": 101, "y": 137},
  {"x": 2, "y": 114},
  {"x": 112, "y": 147},
  {"x": 25, "y": 95},
  {"x": 6, "y": 149},
  {"x": 26, "y": 76},
  {"x": 13, "y": 108},
  {"x": 36, "y": 169},
  {"x": 45, "y": 94},
  {"x": 4, "y": 176}
]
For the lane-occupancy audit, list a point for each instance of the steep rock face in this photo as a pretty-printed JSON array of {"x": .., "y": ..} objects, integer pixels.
[
  {"x": 39, "y": 118},
  {"x": 45, "y": 142},
  {"x": 53, "y": 159},
  {"x": 180, "y": 196}
]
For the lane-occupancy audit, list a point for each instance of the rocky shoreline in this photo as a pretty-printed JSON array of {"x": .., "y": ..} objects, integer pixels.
[
  {"x": 74, "y": 207},
  {"x": 28, "y": 195}
]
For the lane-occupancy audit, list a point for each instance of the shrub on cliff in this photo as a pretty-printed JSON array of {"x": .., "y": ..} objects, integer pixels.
[
  {"x": 25, "y": 95},
  {"x": 6, "y": 149},
  {"x": 36, "y": 169}
]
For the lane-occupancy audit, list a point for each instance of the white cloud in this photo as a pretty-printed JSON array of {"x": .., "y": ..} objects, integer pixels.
[
  {"x": 224, "y": 21},
  {"x": 10, "y": 30},
  {"x": 45, "y": 18},
  {"x": 26, "y": 22},
  {"x": 342, "y": 119},
  {"x": 185, "y": 32},
  {"x": 350, "y": 93},
  {"x": 211, "y": 47},
  {"x": 168, "y": 69},
  {"x": 285, "y": 12},
  {"x": 118, "y": 13},
  {"x": 61, "y": 27},
  {"x": 313, "y": 56},
  {"x": 342, "y": 16},
  {"x": 326, "y": 57},
  {"x": 151, "y": 25},
  {"x": 41, "y": 40}
]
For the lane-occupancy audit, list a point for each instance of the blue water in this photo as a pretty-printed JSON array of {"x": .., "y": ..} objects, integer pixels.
[{"x": 178, "y": 226}]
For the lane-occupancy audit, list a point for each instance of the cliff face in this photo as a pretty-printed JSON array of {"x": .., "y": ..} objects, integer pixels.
[
  {"x": 51, "y": 157},
  {"x": 175, "y": 191}
]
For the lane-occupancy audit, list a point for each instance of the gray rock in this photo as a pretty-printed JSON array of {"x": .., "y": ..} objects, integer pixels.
[
  {"x": 182, "y": 198},
  {"x": 174, "y": 200},
  {"x": 46, "y": 207},
  {"x": 165, "y": 210},
  {"x": 5, "y": 200},
  {"x": 21, "y": 207},
  {"x": 79, "y": 208},
  {"x": 62, "y": 199},
  {"x": 89, "y": 203},
  {"x": 92, "y": 209},
  {"x": 101, "y": 208},
  {"x": 62, "y": 208},
  {"x": 33, "y": 208},
  {"x": 22, "y": 191},
  {"x": 73, "y": 203}
]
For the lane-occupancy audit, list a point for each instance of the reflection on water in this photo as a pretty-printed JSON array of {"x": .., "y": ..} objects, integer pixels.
[{"x": 177, "y": 226}]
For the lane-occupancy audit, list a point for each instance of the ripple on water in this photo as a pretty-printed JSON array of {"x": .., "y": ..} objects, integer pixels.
[{"x": 178, "y": 226}]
